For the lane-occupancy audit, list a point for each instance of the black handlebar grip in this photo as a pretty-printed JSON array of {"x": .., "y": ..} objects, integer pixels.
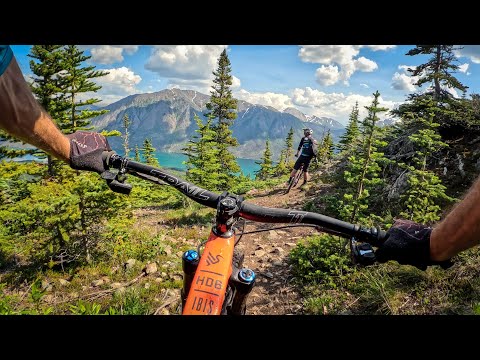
[
  {"x": 381, "y": 237},
  {"x": 106, "y": 157}
]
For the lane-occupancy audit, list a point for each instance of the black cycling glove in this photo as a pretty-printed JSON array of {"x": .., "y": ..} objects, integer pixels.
[
  {"x": 409, "y": 244},
  {"x": 86, "y": 150}
]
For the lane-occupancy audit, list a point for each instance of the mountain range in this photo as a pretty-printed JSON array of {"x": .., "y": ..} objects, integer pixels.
[{"x": 167, "y": 118}]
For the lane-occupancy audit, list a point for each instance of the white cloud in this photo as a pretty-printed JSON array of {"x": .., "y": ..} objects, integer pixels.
[
  {"x": 119, "y": 82},
  {"x": 381, "y": 47},
  {"x": 235, "y": 82},
  {"x": 200, "y": 85},
  {"x": 203, "y": 86},
  {"x": 339, "y": 62},
  {"x": 335, "y": 105},
  {"x": 185, "y": 62},
  {"x": 365, "y": 65},
  {"x": 276, "y": 100},
  {"x": 365, "y": 86},
  {"x": 109, "y": 54},
  {"x": 403, "y": 80},
  {"x": 463, "y": 68},
  {"x": 327, "y": 75},
  {"x": 315, "y": 102},
  {"x": 471, "y": 52}
]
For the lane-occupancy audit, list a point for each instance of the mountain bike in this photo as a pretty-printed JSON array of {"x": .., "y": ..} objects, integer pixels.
[
  {"x": 294, "y": 181},
  {"x": 215, "y": 283}
]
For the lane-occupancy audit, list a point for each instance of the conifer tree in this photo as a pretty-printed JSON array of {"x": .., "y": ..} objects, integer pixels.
[
  {"x": 77, "y": 80},
  {"x": 137, "y": 154},
  {"x": 202, "y": 164},
  {"x": 126, "y": 124},
  {"x": 352, "y": 131},
  {"x": 48, "y": 85},
  {"x": 438, "y": 69},
  {"x": 285, "y": 163},
  {"x": 364, "y": 167},
  {"x": 327, "y": 147},
  {"x": 266, "y": 168},
  {"x": 223, "y": 106},
  {"x": 149, "y": 153},
  {"x": 289, "y": 149},
  {"x": 281, "y": 167},
  {"x": 425, "y": 190}
]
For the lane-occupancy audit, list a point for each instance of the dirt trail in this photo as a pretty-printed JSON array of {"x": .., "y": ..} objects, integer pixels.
[{"x": 266, "y": 253}]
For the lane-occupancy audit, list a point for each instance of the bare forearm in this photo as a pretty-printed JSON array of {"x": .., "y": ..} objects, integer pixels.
[
  {"x": 460, "y": 230},
  {"x": 22, "y": 117}
]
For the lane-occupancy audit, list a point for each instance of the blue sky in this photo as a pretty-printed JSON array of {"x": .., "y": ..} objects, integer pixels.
[{"x": 322, "y": 80}]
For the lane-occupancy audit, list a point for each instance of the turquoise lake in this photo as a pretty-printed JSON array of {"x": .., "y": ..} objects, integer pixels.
[{"x": 175, "y": 161}]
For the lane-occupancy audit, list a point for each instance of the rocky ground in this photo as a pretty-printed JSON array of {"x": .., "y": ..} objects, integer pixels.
[{"x": 266, "y": 253}]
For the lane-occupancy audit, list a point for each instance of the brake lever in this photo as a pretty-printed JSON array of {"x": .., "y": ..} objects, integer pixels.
[
  {"x": 362, "y": 253},
  {"x": 116, "y": 182}
]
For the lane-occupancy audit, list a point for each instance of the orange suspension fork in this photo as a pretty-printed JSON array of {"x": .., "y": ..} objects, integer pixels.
[{"x": 207, "y": 292}]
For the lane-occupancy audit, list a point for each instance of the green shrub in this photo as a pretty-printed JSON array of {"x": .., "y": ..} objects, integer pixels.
[{"x": 320, "y": 260}]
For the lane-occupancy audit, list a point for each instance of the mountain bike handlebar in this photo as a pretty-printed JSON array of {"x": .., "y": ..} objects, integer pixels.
[{"x": 247, "y": 210}]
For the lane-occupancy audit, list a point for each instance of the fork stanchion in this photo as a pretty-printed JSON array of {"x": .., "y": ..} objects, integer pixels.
[
  {"x": 243, "y": 282},
  {"x": 190, "y": 259}
]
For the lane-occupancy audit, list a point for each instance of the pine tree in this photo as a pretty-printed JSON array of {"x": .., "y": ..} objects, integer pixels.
[
  {"x": 77, "y": 81},
  {"x": 281, "y": 167},
  {"x": 364, "y": 167},
  {"x": 327, "y": 148},
  {"x": 352, "y": 132},
  {"x": 49, "y": 84},
  {"x": 202, "y": 164},
  {"x": 425, "y": 189},
  {"x": 437, "y": 70},
  {"x": 149, "y": 153},
  {"x": 223, "y": 106},
  {"x": 289, "y": 149},
  {"x": 137, "y": 154},
  {"x": 266, "y": 168},
  {"x": 126, "y": 124}
]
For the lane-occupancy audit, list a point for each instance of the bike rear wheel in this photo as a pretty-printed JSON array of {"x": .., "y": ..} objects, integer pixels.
[{"x": 294, "y": 181}]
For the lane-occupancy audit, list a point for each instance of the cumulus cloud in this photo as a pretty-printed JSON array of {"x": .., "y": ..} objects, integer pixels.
[
  {"x": 335, "y": 105},
  {"x": 184, "y": 62},
  {"x": 365, "y": 65},
  {"x": 276, "y": 100},
  {"x": 380, "y": 47},
  {"x": 109, "y": 54},
  {"x": 203, "y": 86},
  {"x": 236, "y": 83},
  {"x": 339, "y": 62},
  {"x": 403, "y": 80},
  {"x": 119, "y": 82},
  {"x": 463, "y": 68},
  {"x": 471, "y": 52},
  {"x": 327, "y": 75}
]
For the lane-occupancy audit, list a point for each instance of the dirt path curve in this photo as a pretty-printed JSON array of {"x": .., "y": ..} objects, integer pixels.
[{"x": 266, "y": 253}]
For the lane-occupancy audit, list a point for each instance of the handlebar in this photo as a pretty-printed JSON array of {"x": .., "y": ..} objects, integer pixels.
[{"x": 247, "y": 210}]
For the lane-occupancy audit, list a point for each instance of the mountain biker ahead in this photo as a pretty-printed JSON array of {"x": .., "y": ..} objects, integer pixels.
[{"x": 305, "y": 149}]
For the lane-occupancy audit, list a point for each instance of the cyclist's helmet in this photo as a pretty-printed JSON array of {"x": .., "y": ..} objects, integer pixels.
[{"x": 307, "y": 131}]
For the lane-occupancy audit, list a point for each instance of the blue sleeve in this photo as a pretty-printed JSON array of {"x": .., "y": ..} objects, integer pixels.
[{"x": 6, "y": 55}]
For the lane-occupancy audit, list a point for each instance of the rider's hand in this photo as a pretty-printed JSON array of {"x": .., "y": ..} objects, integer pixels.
[
  {"x": 86, "y": 150},
  {"x": 409, "y": 244}
]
